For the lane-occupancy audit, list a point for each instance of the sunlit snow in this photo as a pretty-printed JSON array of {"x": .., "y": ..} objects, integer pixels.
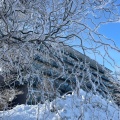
[{"x": 86, "y": 106}]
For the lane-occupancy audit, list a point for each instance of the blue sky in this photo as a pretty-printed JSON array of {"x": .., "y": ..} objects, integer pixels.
[{"x": 112, "y": 30}]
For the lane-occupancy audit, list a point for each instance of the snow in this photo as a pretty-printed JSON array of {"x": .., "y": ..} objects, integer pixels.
[
  {"x": 0, "y": 69},
  {"x": 84, "y": 106}
]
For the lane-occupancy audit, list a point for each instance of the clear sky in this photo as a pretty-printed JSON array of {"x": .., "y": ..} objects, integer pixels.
[{"x": 112, "y": 30}]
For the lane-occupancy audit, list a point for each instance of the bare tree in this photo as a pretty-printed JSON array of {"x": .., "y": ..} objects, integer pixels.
[{"x": 33, "y": 31}]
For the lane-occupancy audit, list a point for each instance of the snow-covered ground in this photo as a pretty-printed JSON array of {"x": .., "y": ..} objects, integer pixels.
[{"x": 86, "y": 106}]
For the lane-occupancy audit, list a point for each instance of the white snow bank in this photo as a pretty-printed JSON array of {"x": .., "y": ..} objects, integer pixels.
[{"x": 86, "y": 106}]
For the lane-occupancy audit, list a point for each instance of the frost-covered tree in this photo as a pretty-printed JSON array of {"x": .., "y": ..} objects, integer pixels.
[{"x": 27, "y": 26}]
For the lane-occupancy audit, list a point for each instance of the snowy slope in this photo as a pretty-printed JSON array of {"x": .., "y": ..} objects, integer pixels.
[{"x": 70, "y": 107}]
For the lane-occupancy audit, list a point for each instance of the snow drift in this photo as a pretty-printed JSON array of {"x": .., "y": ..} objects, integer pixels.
[{"x": 84, "y": 106}]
